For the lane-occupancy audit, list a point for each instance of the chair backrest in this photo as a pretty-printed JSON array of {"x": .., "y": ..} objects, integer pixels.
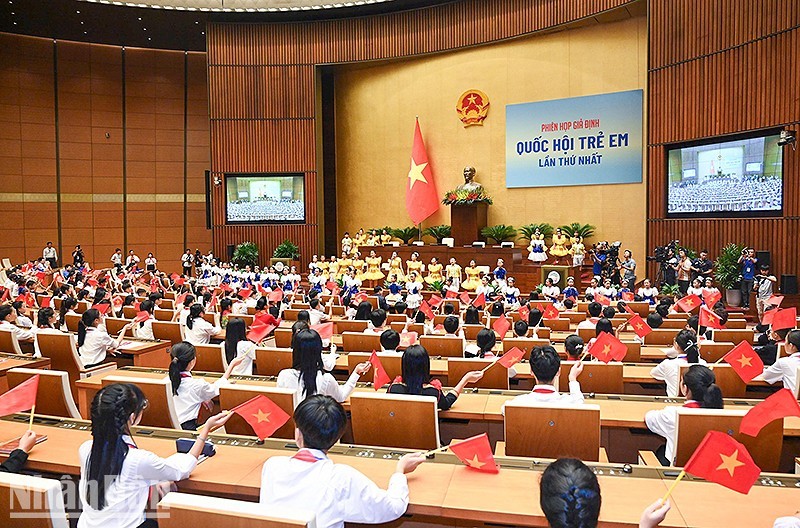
[
  {"x": 734, "y": 336},
  {"x": 444, "y": 346},
  {"x": 163, "y": 314},
  {"x": 470, "y": 331},
  {"x": 736, "y": 324},
  {"x": 31, "y": 502},
  {"x": 168, "y": 331},
  {"x": 182, "y": 510},
  {"x": 9, "y": 343},
  {"x": 210, "y": 358},
  {"x": 57, "y": 303},
  {"x": 128, "y": 312},
  {"x": 7, "y": 263},
  {"x": 344, "y": 325},
  {"x": 114, "y": 325},
  {"x": 270, "y": 360},
  {"x": 54, "y": 396},
  {"x": 641, "y": 308},
  {"x": 661, "y": 336},
  {"x": 283, "y": 337},
  {"x": 63, "y": 354},
  {"x": 232, "y": 395},
  {"x": 633, "y": 354},
  {"x": 728, "y": 380},
  {"x": 248, "y": 319},
  {"x": 392, "y": 363},
  {"x": 495, "y": 377},
  {"x": 523, "y": 343},
  {"x": 712, "y": 351},
  {"x": 290, "y": 314},
  {"x": 160, "y": 410},
  {"x": 394, "y": 420},
  {"x": 693, "y": 424},
  {"x": 360, "y": 342},
  {"x": 552, "y": 431},
  {"x": 561, "y": 324},
  {"x": 672, "y": 324},
  {"x": 168, "y": 303},
  {"x": 396, "y": 318},
  {"x": 597, "y": 377},
  {"x": 211, "y": 317},
  {"x": 587, "y": 333},
  {"x": 72, "y": 321},
  {"x": 413, "y": 327},
  {"x": 82, "y": 306}
]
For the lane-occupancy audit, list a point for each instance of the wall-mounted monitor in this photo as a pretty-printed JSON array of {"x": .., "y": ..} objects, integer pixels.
[
  {"x": 265, "y": 198},
  {"x": 730, "y": 176}
]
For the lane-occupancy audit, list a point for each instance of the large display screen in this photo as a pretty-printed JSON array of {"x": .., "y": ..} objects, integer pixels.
[
  {"x": 265, "y": 198},
  {"x": 738, "y": 177}
]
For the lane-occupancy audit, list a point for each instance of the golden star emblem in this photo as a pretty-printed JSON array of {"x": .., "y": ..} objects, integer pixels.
[
  {"x": 606, "y": 350},
  {"x": 472, "y": 98},
  {"x": 730, "y": 463},
  {"x": 639, "y": 326},
  {"x": 415, "y": 174},
  {"x": 745, "y": 361},
  {"x": 689, "y": 302},
  {"x": 262, "y": 416},
  {"x": 475, "y": 462}
]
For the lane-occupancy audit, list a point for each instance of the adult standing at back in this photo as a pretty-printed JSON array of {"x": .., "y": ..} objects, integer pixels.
[
  {"x": 683, "y": 268},
  {"x": 748, "y": 261},
  {"x": 77, "y": 257},
  {"x": 186, "y": 262},
  {"x": 50, "y": 255}
]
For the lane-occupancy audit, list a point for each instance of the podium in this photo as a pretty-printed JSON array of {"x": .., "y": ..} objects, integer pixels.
[{"x": 466, "y": 222}]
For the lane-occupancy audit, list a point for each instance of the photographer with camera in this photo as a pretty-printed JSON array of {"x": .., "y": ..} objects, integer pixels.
[
  {"x": 748, "y": 262},
  {"x": 702, "y": 266}
]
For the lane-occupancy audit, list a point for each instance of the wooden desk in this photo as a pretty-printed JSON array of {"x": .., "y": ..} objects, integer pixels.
[
  {"x": 147, "y": 353},
  {"x": 10, "y": 361}
]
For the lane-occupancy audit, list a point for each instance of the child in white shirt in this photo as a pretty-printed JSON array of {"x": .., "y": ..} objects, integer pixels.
[
  {"x": 546, "y": 365},
  {"x": 93, "y": 339},
  {"x": 785, "y": 368},
  {"x": 198, "y": 331},
  {"x": 687, "y": 353}
]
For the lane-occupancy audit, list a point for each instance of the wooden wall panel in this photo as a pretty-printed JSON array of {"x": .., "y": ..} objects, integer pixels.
[
  {"x": 261, "y": 86},
  {"x": 719, "y": 67}
]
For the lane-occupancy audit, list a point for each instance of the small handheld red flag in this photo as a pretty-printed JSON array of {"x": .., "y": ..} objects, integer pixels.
[
  {"x": 475, "y": 452},
  {"x": 325, "y": 330},
  {"x": 479, "y": 301},
  {"x": 464, "y": 298},
  {"x": 501, "y": 326},
  {"x": 408, "y": 338},
  {"x": 245, "y": 293},
  {"x": 275, "y": 296},
  {"x": 607, "y": 347},
  {"x": 141, "y": 317},
  {"x": 721, "y": 459},
  {"x": 435, "y": 301},
  {"x": 745, "y": 361},
  {"x": 775, "y": 300},
  {"x": 628, "y": 309},
  {"x": 524, "y": 312},
  {"x": 360, "y": 297},
  {"x": 710, "y": 319},
  {"x": 786, "y": 318},
  {"x": 263, "y": 415},
  {"x": 102, "y": 308},
  {"x": 550, "y": 312},
  {"x": 225, "y": 287},
  {"x": 511, "y": 358},
  {"x": 426, "y": 309},
  {"x": 602, "y": 299},
  {"x": 45, "y": 302},
  {"x": 639, "y": 326},
  {"x": 712, "y": 298},
  {"x": 688, "y": 303},
  {"x": 20, "y": 398},
  {"x": 779, "y": 405},
  {"x": 180, "y": 299},
  {"x": 258, "y": 332},
  {"x": 379, "y": 375},
  {"x": 450, "y": 295},
  {"x": 117, "y": 301},
  {"x": 627, "y": 296}
]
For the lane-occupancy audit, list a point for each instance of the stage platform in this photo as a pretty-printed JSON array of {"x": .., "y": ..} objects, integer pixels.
[{"x": 527, "y": 274}]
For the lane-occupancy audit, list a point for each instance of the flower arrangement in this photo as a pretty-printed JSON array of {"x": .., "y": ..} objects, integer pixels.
[{"x": 465, "y": 197}]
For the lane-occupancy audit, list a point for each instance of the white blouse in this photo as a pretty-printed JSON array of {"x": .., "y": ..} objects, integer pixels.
[
  {"x": 95, "y": 346},
  {"x": 192, "y": 392},
  {"x": 246, "y": 349},
  {"x": 201, "y": 332},
  {"x": 326, "y": 384}
]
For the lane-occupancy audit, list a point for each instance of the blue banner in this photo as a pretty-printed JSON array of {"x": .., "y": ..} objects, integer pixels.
[{"x": 591, "y": 140}]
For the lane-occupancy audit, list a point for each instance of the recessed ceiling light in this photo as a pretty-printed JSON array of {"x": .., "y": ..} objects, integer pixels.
[
  {"x": 148, "y": 38},
  {"x": 78, "y": 12},
  {"x": 144, "y": 29},
  {"x": 85, "y": 32},
  {"x": 140, "y": 18}
]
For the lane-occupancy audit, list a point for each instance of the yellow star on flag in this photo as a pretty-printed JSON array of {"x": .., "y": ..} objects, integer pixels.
[
  {"x": 262, "y": 416},
  {"x": 475, "y": 462},
  {"x": 639, "y": 326},
  {"x": 415, "y": 173},
  {"x": 606, "y": 350},
  {"x": 745, "y": 361},
  {"x": 730, "y": 463},
  {"x": 689, "y": 302}
]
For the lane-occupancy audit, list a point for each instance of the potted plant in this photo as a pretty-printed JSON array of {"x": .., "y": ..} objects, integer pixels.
[
  {"x": 670, "y": 290},
  {"x": 499, "y": 233},
  {"x": 527, "y": 231},
  {"x": 246, "y": 254},
  {"x": 287, "y": 253},
  {"x": 585, "y": 231},
  {"x": 406, "y": 234},
  {"x": 439, "y": 232},
  {"x": 727, "y": 273}
]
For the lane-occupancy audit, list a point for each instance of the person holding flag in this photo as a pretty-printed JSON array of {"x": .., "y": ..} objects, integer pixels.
[
  {"x": 701, "y": 391},
  {"x": 785, "y": 368},
  {"x": 545, "y": 366},
  {"x": 688, "y": 352},
  {"x": 336, "y": 493},
  {"x": 8, "y": 319}
]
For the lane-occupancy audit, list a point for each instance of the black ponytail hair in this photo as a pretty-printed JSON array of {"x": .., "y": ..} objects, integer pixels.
[
  {"x": 687, "y": 341},
  {"x": 307, "y": 359},
  {"x": 569, "y": 494},
  {"x": 486, "y": 339},
  {"x": 182, "y": 354},
  {"x": 793, "y": 337},
  {"x": 146, "y": 306},
  {"x": 194, "y": 312},
  {"x": 5, "y": 311},
  {"x": 66, "y": 305},
  {"x": 235, "y": 331},
  {"x": 112, "y": 407},
  {"x": 87, "y": 319},
  {"x": 43, "y": 317},
  {"x": 701, "y": 382}
]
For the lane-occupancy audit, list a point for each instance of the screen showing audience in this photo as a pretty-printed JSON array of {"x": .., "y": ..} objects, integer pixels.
[
  {"x": 265, "y": 198},
  {"x": 743, "y": 176}
]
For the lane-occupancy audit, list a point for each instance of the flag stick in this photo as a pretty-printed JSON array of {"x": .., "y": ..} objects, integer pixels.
[
  {"x": 30, "y": 422},
  {"x": 675, "y": 483},
  {"x": 490, "y": 365},
  {"x": 437, "y": 450}
]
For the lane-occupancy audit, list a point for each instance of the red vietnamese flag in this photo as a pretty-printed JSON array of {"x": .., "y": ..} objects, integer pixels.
[
  {"x": 45, "y": 302},
  {"x": 607, "y": 347},
  {"x": 141, "y": 317},
  {"x": 712, "y": 298},
  {"x": 179, "y": 281},
  {"x": 20, "y": 398},
  {"x": 102, "y": 308},
  {"x": 435, "y": 301},
  {"x": 245, "y": 293},
  {"x": 602, "y": 299},
  {"x": 475, "y": 452},
  {"x": 745, "y": 361},
  {"x": 117, "y": 302},
  {"x": 501, "y": 326},
  {"x": 628, "y": 310},
  {"x": 721, "y": 459},
  {"x": 276, "y": 296},
  {"x": 92, "y": 282},
  {"x": 422, "y": 198},
  {"x": 451, "y": 295},
  {"x": 6, "y": 295},
  {"x": 379, "y": 375},
  {"x": 330, "y": 285},
  {"x": 769, "y": 314},
  {"x": 779, "y": 405},
  {"x": 627, "y": 296},
  {"x": 408, "y": 338},
  {"x": 775, "y": 300},
  {"x": 263, "y": 415},
  {"x": 325, "y": 330},
  {"x": 41, "y": 275},
  {"x": 709, "y": 319},
  {"x": 180, "y": 299},
  {"x": 639, "y": 326},
  {"x": 212, "y": 304},
  {"x": 786, "y": 318},
  {"x": 479, "y": 301},
  {"x": 511, "y": 358},
  {"x": 225, "y": 287},
  {"x": 258, "y": 332},
  {"x": 426, "y": 309},
  {"x": 688, "y": 303},
  {"x": 360, "y": 297},
  {"x": 524, "y": 312},
  {"x": 465, "y": 298},
  {"x": 261, "y": 290},
  {"x": 550, "y": 312}
]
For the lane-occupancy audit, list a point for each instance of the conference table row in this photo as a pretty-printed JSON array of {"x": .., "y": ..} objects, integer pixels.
[{"x": 443, "y": 492}]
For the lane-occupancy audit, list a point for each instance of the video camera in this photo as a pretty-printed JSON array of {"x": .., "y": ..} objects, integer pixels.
[{"x": 661, "y": 253}]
